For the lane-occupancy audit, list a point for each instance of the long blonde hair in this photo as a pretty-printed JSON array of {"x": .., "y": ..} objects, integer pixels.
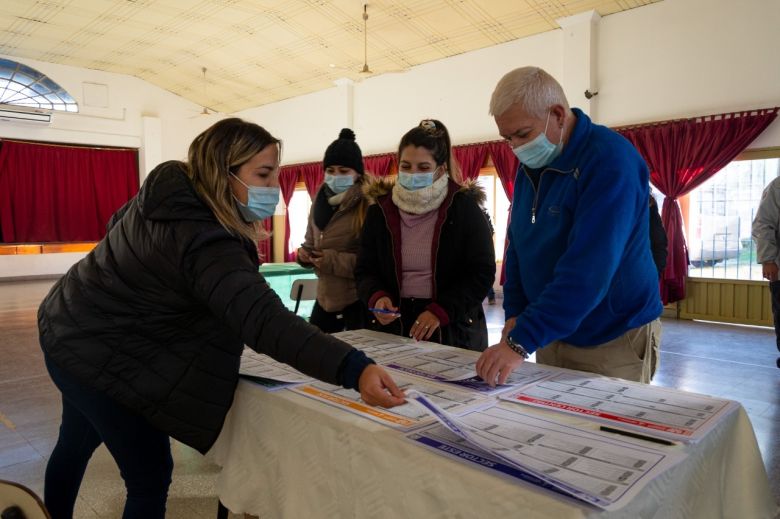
[{"x": 213, "y": 155}]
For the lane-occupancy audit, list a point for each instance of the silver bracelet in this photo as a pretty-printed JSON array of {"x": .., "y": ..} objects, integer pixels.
[{"x": 517, "y": 348}]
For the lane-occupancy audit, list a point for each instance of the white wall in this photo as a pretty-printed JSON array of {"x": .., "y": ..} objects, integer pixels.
[
  {"x": 682, "y": 58},
  {"x": 671, "y": 59},
  {"x": 455, "y": 90},
  {"x": 37, "y": 265},
  {"x": 306, "y": 124}
]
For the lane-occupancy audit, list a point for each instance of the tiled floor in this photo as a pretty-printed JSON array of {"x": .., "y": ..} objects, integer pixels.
[{"x": 729, "y": 361}]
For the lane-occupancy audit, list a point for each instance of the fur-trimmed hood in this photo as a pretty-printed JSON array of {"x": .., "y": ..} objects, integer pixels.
[{"x": 376, "y": 187}]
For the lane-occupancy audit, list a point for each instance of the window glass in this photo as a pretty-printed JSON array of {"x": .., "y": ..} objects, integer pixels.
[
  {"x": 299, "y": 207},
  {"x": 25, "y": 86},
  {"x": 497, "y": 206},
  {"x": 719, "y": 218}
]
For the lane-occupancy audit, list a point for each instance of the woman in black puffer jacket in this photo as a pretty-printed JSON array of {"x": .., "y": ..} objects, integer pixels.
[{"x": 144, "y": 335}]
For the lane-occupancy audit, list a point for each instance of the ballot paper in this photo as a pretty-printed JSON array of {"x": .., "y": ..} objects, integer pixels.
[
  {"x": 383, "y": 347},
  {"x": 406, "y": 416},
  {"x": 600, "y": 469},
  {"x": 268, "y": 373},
  {"x": 652, "y": 410},
  {"x": 458, "y": 367}
]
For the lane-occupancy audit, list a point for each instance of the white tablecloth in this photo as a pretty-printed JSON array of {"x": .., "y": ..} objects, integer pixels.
[{"x": 286, "y": 456}]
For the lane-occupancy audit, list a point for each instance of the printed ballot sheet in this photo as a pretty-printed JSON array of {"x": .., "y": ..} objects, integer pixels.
[
  {"x": 404, "y": 417},
  {"x": 443, "y": 441},
  {"x": 602, "y": 470},
  {"x": 383, "y": 347},
  {"x": 653, "y": 410},
  {"x": 269, "y": 373},
  {"x": 458, "y": 367}
]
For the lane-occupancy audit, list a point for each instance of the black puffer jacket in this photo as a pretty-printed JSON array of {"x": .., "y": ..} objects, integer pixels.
[
  {"x": 157, "y": 314},
  {"x": 463, "y": 260}
]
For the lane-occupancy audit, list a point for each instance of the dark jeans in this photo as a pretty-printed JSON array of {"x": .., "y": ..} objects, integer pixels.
[
  {"x": 352, "y": 317},
  {"x": 142, "y": 452},
  {"x": 774, "y": 289}
]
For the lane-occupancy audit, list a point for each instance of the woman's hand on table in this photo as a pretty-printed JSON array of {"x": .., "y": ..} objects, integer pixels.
[{"x": 378, "y": 388}]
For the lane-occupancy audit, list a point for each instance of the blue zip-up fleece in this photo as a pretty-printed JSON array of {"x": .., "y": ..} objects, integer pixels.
[{"x": 583, "y": 271}]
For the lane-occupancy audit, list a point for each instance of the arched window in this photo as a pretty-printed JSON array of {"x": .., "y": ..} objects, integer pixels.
[{"x": 24, "y": 86}]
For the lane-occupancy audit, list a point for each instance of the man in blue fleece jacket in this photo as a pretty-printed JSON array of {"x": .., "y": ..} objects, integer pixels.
[{"x": 581, "y": 287}]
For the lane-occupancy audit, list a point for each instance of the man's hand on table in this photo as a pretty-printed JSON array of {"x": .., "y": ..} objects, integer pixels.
[{"x": 497, "y": 363}]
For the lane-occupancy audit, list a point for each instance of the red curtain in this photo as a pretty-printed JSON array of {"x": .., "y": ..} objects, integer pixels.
[
  {"x": 683, "y": 154},
  {"x": 313, "y": 175},
  {"x": 51, "y": 193},
  {"x": 288, "y": 176},
  {"x": 379, "y": 165},
  {"x": 506, "y": 163},
  {"x": 471, "y": 158}
]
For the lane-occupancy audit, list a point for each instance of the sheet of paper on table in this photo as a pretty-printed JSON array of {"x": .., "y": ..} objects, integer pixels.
[
  {"x": 383, "y": 347},
  {"x": 651, "y": 410},
  {"x": 458, "y": 367},
  {"x": 599, "y": 469},
  {"x": 405, "y": 417},
  {"x": 269, "y": 373}
]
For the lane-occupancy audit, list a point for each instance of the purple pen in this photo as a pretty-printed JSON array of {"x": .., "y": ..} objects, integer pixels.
[{"x": 384, "y": 311}]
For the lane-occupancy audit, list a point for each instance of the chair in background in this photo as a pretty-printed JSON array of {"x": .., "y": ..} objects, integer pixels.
[
  {"x": 303, "y": 290},
  {"x": 19, "y": 502}
]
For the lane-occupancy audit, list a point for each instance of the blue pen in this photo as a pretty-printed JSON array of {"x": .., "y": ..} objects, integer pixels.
[{"x": 384, "y": 311}]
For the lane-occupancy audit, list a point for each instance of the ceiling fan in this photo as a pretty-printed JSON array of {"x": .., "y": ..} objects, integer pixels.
[
  {"x": 366, "y": 71},
  {"x": 205, "y": 110}
]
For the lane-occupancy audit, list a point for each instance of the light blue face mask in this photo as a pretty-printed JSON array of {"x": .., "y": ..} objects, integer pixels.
[
  {"x": 261, "y": 202},
  {"x": 339, "y": 183},
  {"x": 539, "y": 152},
  {"x": 415, "y": 181}
]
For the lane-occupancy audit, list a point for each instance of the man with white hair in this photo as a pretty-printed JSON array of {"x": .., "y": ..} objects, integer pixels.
[{"x": 581, "y": 287}]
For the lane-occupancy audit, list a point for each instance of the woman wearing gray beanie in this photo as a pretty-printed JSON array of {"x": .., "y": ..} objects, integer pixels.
[{"x": 333, "y": 237}]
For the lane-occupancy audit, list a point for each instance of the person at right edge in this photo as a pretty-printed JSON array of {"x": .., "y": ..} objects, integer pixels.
[
  {"x": 766, "y": 233},
  {"x": 581, "y": 287}
]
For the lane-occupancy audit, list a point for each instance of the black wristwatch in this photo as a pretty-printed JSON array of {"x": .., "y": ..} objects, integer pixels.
[{"x": 517, "y": 348}]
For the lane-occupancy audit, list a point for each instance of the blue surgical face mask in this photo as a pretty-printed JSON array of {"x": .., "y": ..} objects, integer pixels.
[
  {"x": 261, "y": 202},
  {"x": 339, "y": 183},
  {"x": 539, "y": 152},
  {"x": 415, "y": 181}
]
